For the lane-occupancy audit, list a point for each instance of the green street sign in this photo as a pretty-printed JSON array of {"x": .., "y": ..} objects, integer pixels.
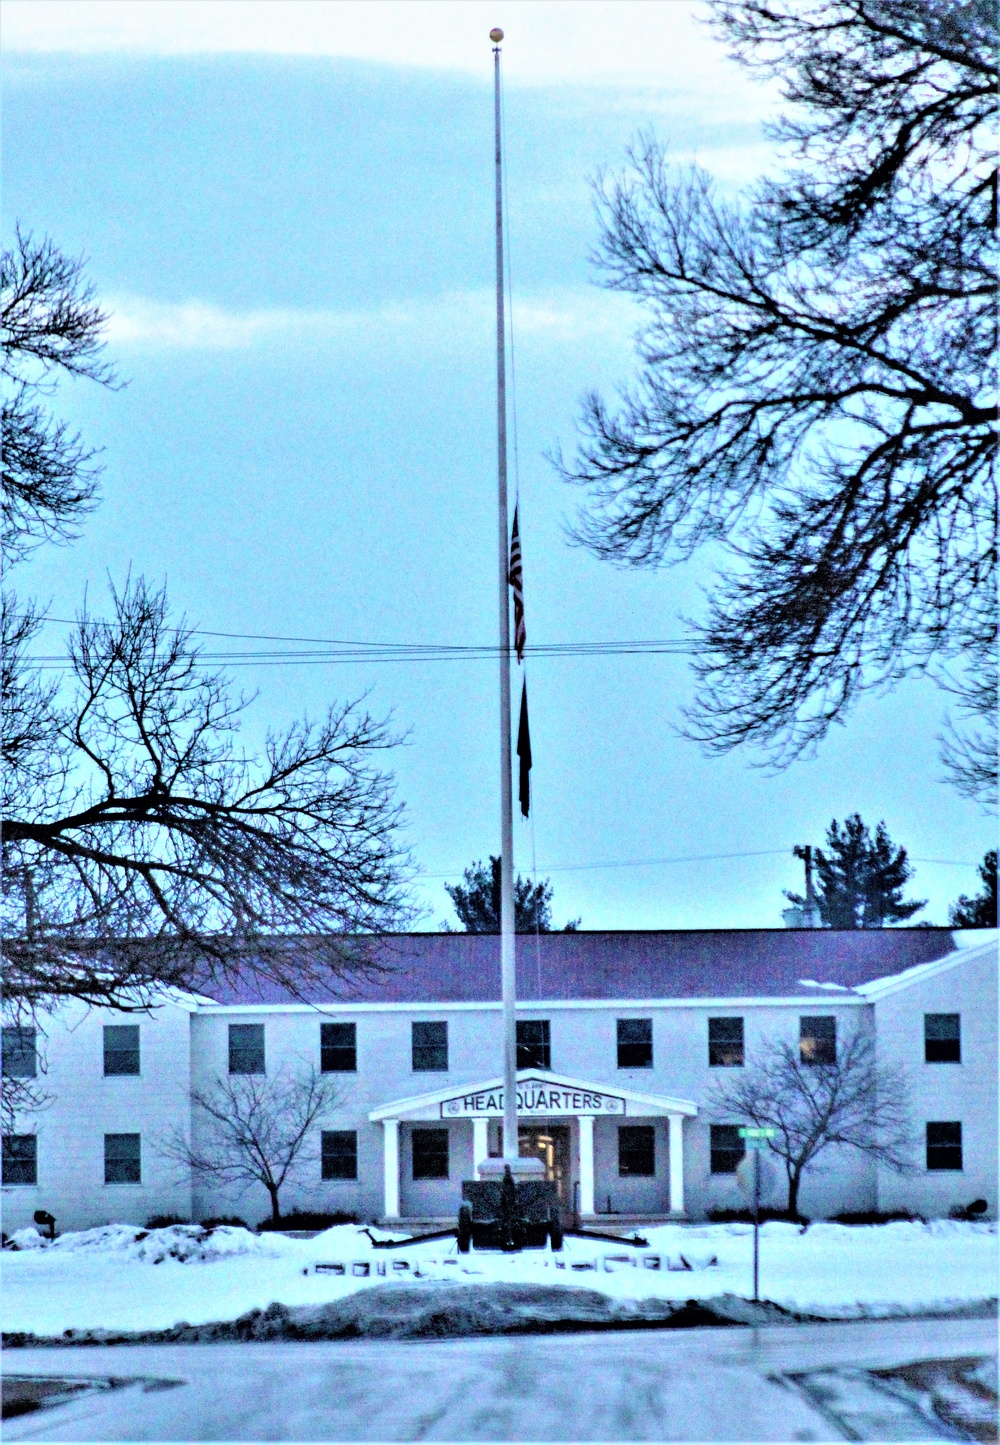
[{"x": 757, "y": 1133}]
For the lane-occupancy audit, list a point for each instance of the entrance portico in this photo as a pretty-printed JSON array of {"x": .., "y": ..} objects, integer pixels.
[{"x": 541, "y": 1096}]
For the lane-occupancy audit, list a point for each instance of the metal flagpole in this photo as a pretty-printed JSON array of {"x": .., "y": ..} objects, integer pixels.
[{"x": 507, "y": 943}]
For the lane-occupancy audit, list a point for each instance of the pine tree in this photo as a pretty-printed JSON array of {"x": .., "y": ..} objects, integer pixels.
[
  {"x": 477, "y": 902},
  {"x": 860, "y": 879},
  {"x": 980, "y": 911}
]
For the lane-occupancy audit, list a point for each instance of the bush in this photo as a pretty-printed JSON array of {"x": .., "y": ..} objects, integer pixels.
[
  {"x": 876, "y": 1216},
  {"x": 303, "y": 1219},
  {"x": 230, "y": 1221},
  {"x": 164, "y": 1221},
  {"x": 976, "y": 1210},
  {"x": 745, "y": 1216}
]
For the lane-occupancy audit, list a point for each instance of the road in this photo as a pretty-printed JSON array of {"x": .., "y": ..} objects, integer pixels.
[{"x": 805, "y": 1382}]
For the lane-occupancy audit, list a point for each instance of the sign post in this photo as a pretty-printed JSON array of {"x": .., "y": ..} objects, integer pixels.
[{"x": 757, "y": 1140}]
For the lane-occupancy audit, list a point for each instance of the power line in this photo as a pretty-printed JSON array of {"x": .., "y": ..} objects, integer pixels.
[{"x": 687, "y": 858}]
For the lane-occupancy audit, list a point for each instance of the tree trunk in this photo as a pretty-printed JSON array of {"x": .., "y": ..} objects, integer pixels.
[
  {"x": 272, "y": 1189},
  {"x": 794, "y": 1179}
]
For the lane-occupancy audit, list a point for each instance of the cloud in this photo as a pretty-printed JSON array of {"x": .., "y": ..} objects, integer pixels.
[
  {"x": 449, "y": 322},
  {"x": 604, "y": 42}
]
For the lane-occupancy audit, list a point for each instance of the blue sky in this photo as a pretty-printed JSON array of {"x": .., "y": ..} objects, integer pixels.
[{"x": 288, "y": 210}]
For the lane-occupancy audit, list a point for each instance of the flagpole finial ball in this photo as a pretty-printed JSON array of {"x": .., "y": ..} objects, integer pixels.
[{"x": 496, "y": 35}]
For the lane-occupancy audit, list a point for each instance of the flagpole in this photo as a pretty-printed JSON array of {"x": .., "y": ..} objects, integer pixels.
[{"x": 507, "y": 921}]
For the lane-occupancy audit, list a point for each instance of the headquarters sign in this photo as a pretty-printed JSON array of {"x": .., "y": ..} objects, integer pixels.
[{"x": 533, "y": 1097}]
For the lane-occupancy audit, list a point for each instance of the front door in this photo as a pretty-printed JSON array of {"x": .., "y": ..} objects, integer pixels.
[{"x": 550, "y": 1143}]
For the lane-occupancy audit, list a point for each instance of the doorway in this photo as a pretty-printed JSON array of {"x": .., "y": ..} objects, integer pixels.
[{"x": 550, "y": 1143}]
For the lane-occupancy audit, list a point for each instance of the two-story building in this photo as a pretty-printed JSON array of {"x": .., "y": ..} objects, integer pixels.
[{"x": 622, "y": 1038}]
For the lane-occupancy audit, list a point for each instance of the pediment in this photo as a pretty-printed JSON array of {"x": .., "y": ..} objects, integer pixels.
[{"x": 541, "y": 1094}]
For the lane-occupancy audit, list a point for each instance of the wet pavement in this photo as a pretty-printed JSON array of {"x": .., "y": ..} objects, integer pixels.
[{"x": 931, "y": 1379}]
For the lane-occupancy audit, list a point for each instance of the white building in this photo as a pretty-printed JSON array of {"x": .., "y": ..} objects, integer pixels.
[{"x": 621, "y": 1037}]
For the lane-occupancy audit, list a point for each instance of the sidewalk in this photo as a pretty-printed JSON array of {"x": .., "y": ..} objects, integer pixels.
[{"x": 797, "y": 1383}]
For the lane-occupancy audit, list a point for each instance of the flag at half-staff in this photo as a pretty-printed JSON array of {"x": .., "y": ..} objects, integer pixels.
[
  {"x": 524, "y": 754},
  {"x": 516, "y": 577}
]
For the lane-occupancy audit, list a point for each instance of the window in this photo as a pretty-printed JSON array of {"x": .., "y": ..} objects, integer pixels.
[
  {"x": 121, "y": 1049},
  {"x": 942, "y": 1039},
  {"x": 944, "y": 1146},
  {"x": 534, "y": 1049},
  {"x": 818, "y": 1040},
  {"x": 340, "y": 1153},
  {"x": 19, "y": 1059},
  {"x": 338, "y": 1048},
  {"x": 122, "y": 1159},
  {"x": 430, "y": 1048},
  {"x": 635, "y": 1043},
  {"x": 430, "y": 1153},
  {"x": 725, "y": 1043},
  {"x": 246, "y": 1049},
  {"x": 636, "y": 1150},
  {"x": 20, "y": 1158},
  {"x": 727, "y": 1148}
]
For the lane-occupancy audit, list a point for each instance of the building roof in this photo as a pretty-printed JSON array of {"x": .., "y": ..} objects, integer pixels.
[{"x": 668, "y": 964}]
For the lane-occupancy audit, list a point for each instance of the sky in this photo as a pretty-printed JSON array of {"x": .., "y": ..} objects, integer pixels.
[{"x": 287, "y": 210}]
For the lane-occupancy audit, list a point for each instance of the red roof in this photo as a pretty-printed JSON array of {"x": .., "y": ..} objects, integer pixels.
[{"x": 668, "y": 964}]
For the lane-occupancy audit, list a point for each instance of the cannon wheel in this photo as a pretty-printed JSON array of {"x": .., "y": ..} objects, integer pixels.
[
  {"x": 464, "y": 1228},
  {"x": 555, "y": 1228}
]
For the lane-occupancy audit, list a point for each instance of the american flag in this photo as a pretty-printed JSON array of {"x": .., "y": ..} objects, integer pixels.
[{"x": 516, "y": 579}]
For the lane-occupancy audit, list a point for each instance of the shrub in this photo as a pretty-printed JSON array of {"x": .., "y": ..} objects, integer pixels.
[
  {"x": 745, "y": 1216},
  {"x": 304, "y": 1219},
  {"x": 164, "y": 1221},
  {"x": 231, "y": 1221},
  {"x": 876, "y": 1216}
]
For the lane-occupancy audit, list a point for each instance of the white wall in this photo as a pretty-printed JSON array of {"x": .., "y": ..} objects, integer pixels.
[
  {"x": 966, "y": 1092},
  {"x": 84, "y": 1105}
]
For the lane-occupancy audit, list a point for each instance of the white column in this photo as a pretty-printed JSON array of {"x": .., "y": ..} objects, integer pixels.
[
  {"x": 676, "y": 1163},
  {"x": 391, "y": 1127},
  {"x": 586, "y": 1126},
  {"x": 480, "y": 1144}
]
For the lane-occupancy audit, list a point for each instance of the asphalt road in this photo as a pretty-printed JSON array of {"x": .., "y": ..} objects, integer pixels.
[{"x": 805, "y": 1382}]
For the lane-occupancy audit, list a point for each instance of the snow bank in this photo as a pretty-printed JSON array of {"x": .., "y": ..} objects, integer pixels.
[
  {"x": 183, "y": 1242},
  {"x": 123, "y": 1278}
]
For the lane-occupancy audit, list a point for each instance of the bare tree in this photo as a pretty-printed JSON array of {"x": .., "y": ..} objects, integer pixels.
[
  {"x": 255, "y": 1129},
  {"x": 143, "y": 846},
  {"x": 817, "y": 379},
  {"x": 854, "y": 1102}
]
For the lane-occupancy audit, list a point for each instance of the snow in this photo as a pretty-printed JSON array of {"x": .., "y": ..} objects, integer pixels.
[{"x": 121, "y": 1277}]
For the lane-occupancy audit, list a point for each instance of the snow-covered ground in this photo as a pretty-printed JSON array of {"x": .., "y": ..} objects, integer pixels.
[{"x": 120, "y": 1277}]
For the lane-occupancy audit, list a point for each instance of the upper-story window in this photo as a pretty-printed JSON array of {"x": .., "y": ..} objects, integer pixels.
[
  {"x": 534, "y": 1046},
  {"x": 635, "y": 1043},
  {"x": 818, "y": 1040},
  {"x": 725, "y": 1043},
  {"x": 338, "y": 1048},
  {"x": 121, "y": 1049},
  {"x": 942, "y": 1038},
  {"x": 430, "y": 1047},
  {"x": 20, "y": 1057},
  {"x": 246, "y": 1049}
]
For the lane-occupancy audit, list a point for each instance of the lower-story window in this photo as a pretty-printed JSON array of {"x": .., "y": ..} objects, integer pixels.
[
  {"x": 122, "y": 1159},
  {"x": 430, "y": 1153},
  {"x": 726, "y": 1148},
  {"x": 944, "y": 1145},
  {"x": 636, "y": 1150},
  {"x": 340, "y": 1154},
  {"x": 20, "y": 1159}
]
